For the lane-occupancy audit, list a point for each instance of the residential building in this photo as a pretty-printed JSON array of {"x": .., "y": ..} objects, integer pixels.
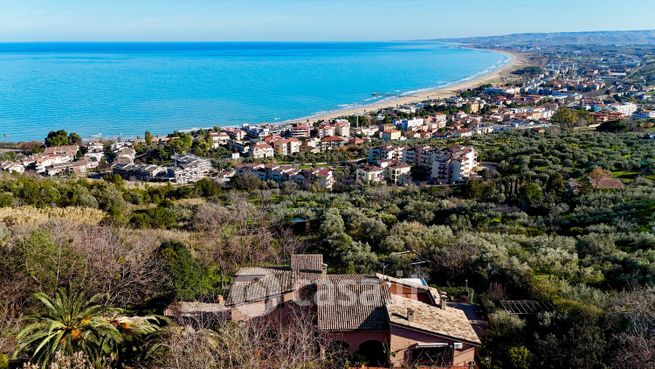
[
  {"x": 119, "y": 145},
  {"x": 409, "y": 124},
  {"x": 406, "y": 109},
  {"x": 283, "y": 173},
  {"x": 189, "y": 168},
  {"x": 287, "y": 146},
  {"x": 454, "y": 165},
  {"x": 440, "y": 118},
  {"x": 367, "y": 131},
  {"x": 76, "y": 167},
  {"x": 369, "y": 174},
  {"x": 644, "y": 114},
  {"x": 420, "y": 156},
  {"x": 307, "y": 147},
  {"x": 50, "y": 157},
  {"x": 95, "y": 151},
  {"x": 385, "y": 152},
  {"x": 301, "y": 131},
  {"x": 141, "y": 172},
  {"x": 12, "y": 167},
  {"x": 342, "y": 127},
  {"x": 463, "y": 132},
  {"x": 262, "y": 151},
  {"x": 255, "y": 169},
  {"x": 398, "y": 173},
  {"x": 391, "y": 135},
  {"x": 67, "y": 151},
  {"x": 219, "y": 139},
  {"x": 330, "y": 143},
  {"x": 324, "y": 177},
  {"x": 125, "y": 155},
  {"x": 270, "y": 139},
  {"x": 626, "y": 109},
  {"x": 326, "y": 130},
  {"x": 399, "y": 321},
  {"x": 235, "y": 133},
  {"x": 256, "y": 131},
  {"x": 475, "y": 106}
]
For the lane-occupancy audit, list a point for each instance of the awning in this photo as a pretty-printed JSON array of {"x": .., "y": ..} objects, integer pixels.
[{"x": 430, "y": 345}]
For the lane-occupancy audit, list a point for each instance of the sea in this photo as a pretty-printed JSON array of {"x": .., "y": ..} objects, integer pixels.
[{"x": 120, "y": 90}]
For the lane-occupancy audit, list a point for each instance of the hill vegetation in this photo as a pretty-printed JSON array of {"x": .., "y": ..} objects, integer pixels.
[
  {"x": 533, "y": 227},
  {"x": 611, "y": 38}
]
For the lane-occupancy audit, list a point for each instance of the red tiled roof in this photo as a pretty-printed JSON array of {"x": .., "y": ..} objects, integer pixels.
[
  {"x": 262, "y": 146},
  {"x": 352, "y": 302},
  {"x": 333, "y": 139},
  {"x": 607, "y": 183},
  {"x": 255, "y": 284}
]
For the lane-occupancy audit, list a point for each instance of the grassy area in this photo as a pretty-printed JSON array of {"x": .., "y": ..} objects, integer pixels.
[{"x": 627, "y": 176}]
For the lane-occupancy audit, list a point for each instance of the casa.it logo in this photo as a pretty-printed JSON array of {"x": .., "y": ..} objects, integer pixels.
[{"x": 259, "y": 291}]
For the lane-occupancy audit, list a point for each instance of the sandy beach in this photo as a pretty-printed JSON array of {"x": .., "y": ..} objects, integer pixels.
[{"x": 517, "y": 61}]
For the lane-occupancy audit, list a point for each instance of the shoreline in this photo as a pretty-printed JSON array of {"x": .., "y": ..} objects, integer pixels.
[{"x": 517, "y": 61}]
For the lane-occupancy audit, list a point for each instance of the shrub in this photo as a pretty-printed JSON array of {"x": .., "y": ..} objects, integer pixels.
[
  {"x": 4, "y": 361},
  {"x": 188, "y": 278}
]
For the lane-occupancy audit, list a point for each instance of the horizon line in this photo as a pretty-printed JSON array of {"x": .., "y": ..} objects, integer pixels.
[{"x": 328, "y": 41}]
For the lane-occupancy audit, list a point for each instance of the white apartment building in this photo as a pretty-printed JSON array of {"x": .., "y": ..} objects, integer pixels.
[
  {"x": 409, "y": 124},
  {"x": 342, "y": 128},
  {"x": 399, "y": 173},
  {"x": 287, "y": 147},
  {"x": 454, "y": 165},
  {"x": 219, "y": 139},
  {"x": 385, "y": 152},
  {"x": 189, "y": 168},
  {"x": 262, "y": 151},
  {"x": 326, "y": 130},
  {"x": 626, "y": 109},
  {"x": 369, "y": 174}
]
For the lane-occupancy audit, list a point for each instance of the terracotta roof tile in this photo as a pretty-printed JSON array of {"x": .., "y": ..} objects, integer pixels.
[
  {"x": 607, "y": 183},
  {"x": 449, "y": 322},
  {"x": 255, "y": 284},
  {"x": 307, "y": 263},
  {"x": 352, "y": 302}
]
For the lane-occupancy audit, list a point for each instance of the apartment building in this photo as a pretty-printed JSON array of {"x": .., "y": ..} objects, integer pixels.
[
  {"x": 454, "y": 165},
  {"x": 262, "y": 151}
]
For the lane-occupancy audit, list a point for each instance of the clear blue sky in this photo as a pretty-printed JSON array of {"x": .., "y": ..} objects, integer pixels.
[{"x": 236, "y": 20}]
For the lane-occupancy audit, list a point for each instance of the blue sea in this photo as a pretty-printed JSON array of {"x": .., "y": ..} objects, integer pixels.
[{"x": 123, "y": 89}]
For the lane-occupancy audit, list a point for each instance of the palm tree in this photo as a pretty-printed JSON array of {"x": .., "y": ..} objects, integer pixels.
[{"x": 71, "y": 323}]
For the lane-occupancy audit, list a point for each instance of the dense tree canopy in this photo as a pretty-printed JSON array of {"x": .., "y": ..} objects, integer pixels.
[{"x": 530, "y": 228}]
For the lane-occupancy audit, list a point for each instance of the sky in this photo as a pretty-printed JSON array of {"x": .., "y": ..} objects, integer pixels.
[{"x": 309, "y": 20}]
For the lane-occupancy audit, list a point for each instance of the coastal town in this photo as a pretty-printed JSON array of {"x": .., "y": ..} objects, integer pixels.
[
  {"x": 581, "y": 89},
  {"x": 503, "y": 222}
]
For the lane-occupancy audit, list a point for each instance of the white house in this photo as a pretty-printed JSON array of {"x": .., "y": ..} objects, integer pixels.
[{"x": 262, "y": 151}]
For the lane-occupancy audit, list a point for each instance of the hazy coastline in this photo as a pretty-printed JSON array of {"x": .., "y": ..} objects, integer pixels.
[
  {"x": 515, "y": 62},
  {"x": 143, "y": 99}
]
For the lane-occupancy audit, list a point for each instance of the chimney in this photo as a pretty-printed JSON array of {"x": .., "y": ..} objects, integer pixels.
[
  {"x": 410, "y": 315},
  {"x": 442, "y": 303},
  {"x": 220, "y": 300}
]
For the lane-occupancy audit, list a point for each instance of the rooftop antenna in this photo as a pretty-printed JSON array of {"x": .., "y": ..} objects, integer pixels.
[{"x": 418, "y": 266}]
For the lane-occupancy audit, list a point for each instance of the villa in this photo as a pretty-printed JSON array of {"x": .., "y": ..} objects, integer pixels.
[
  {"x": 369, "y": 174},
  {"x": 389, "y": 321}
]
